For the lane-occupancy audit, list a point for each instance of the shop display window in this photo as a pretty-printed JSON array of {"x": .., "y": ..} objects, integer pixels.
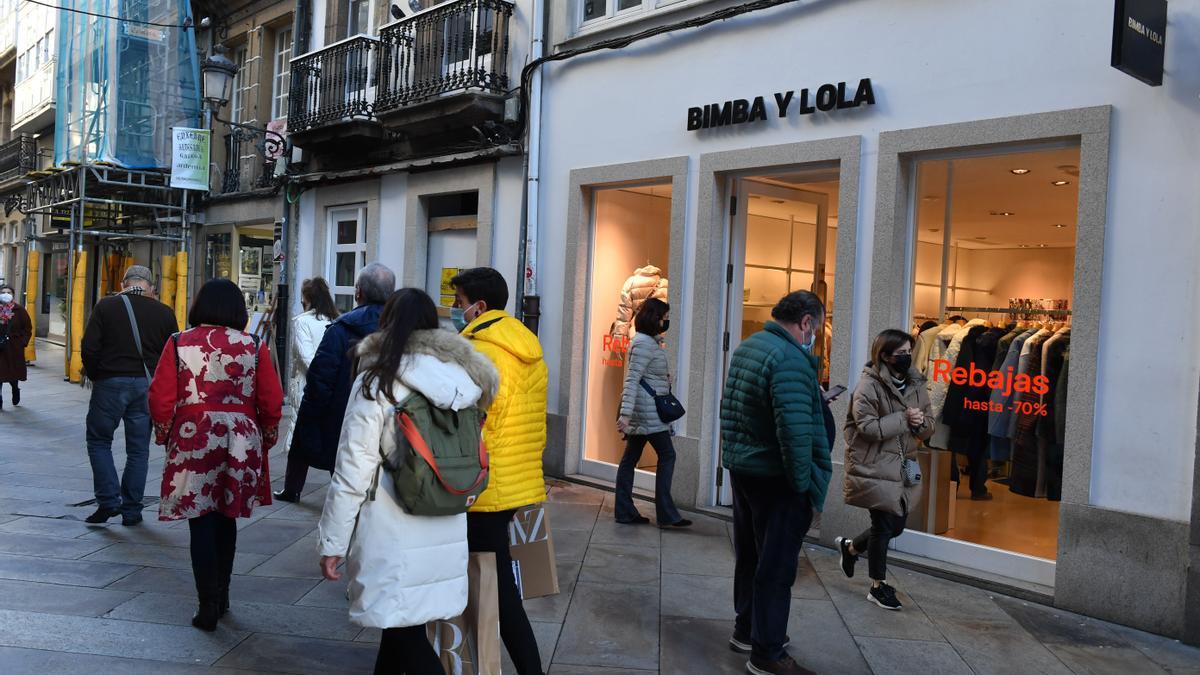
[
  {"x": 631, "y": 250},
  {"x": 991, "y": 278}
]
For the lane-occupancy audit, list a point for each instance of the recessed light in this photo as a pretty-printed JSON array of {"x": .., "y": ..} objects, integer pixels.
[
  {"x": 1024, "y": 245},
  {"x": 1059, "y": 225},
  {"x": 930, "y": 198},
  {"x": 1003, "y": 213},
  {"x": 1020, "y": 172},
  {"x": 1041, "y": 246},
  {"x": 1060, "y": 183},
  {"x": 777, "y": 201}
]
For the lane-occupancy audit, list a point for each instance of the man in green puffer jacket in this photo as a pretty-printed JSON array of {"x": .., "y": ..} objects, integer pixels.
[{"x": 776, "y": 450}]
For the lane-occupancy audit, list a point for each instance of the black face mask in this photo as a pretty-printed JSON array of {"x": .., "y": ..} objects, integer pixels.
[
  {"x": 666, "y": 324},
  {"x": 901, "y": 363}
]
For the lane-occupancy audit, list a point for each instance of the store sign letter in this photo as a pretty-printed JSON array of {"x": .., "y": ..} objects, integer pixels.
[
  {"x": 828, "y": 97},
  {"x": 1140, "y": 39},
  {"x": 189, "y": 158}
]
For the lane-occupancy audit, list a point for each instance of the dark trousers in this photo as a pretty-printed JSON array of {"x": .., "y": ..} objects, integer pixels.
[
  {"x": 769, "y": 524},
  {"x": 977, "y": 473},
  {"x": 214, "y": 545},
  {"x": 874, "y": 540},
  {"x": 407, "y": 650},
  {"x": 297, "y": 473},
  {"x": 488, "y": 533},
  {"x": 664, "y": 505}
]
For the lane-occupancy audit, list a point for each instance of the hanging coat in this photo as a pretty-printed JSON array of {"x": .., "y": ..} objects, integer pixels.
[
  {"x": 215, "y": 401},
  {"x": 646, "y": 282},
  {"x": 1026, "y": 460}
]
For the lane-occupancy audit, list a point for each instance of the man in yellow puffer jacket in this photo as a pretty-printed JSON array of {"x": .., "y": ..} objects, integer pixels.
[{"x": 515, "y": 434}]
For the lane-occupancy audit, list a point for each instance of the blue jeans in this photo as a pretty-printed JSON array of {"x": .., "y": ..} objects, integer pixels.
[{"x": 113, "y": 400}]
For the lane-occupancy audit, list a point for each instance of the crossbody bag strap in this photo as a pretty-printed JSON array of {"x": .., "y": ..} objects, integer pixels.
[
  {"x": 137, "y": 334},
  {"x": 647, "y": 387}
]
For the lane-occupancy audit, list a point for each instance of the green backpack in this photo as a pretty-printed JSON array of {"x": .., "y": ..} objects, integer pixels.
[{"x": 441, "y": 464}]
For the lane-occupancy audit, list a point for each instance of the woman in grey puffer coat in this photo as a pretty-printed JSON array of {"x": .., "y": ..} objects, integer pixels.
[{"x": 639, "y": 419}]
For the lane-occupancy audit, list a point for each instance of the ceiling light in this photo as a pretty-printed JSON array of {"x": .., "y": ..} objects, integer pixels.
[
  {"x": 1003, "y": 213},
  {"x": 1019, "y": 172},
  {"x": 1041, "y": 246},
  {"x": 1060, "y": 225},
  {"x": 930, "y": 198},
  {"x": 777, "y": 201},
  {"x": 1024, "y": 245},
  {"x": 1060, "y": 183}
]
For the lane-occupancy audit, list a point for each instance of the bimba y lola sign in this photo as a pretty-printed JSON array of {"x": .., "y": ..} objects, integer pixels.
[{"x": 826, "y": 98}]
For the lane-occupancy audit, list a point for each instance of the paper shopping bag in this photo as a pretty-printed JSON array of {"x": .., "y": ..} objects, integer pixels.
[
  {"x": 469, "y": 644},
  {"x": 532, "y": 551}
]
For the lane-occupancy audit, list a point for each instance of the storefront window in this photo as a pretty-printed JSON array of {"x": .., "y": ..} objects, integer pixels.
[
  {"x": 218, "y": 256},
  {"x": 631, "y": 250},
  {"x": 992, "y": 277}
]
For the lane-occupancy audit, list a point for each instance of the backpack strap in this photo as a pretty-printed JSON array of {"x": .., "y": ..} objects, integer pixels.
[
  {"x": 414, "y": 438},
  {"x": 137, "y": 334}
]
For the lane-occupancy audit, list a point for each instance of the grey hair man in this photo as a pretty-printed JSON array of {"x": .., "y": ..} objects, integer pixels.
[
  {"x": 330, "y": 376},
  {"x": 120, "y": 348}
]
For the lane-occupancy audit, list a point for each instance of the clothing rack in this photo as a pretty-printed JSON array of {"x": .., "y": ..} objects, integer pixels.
[{"x": 1010, "y": 310}]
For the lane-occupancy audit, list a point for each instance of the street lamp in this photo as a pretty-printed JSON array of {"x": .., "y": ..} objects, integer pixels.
[{"x": 218, "y": 72}]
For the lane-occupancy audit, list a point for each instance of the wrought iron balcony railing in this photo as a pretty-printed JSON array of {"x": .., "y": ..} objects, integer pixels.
[
  {"x": 333, "y": 84},
  {"x": 18, "y": 157},
  {"x": 456, "y": 47},
  {"x": 247, "y": 165},
  {"x": 459, "y": 46}
]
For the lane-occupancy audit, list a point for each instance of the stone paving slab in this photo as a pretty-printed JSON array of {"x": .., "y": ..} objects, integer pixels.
[
  {"x": 613, "y": 563},
  {"x": 150, "y": 555},
  {"x": 699, "y": 646},
  {"x": 697, "y": 597},
  {"x": 553, "y": 608},
  {"x": 244, "y": 588},
  {"x": 69, "y": 572},
  {"x": 49, "y": 547},
  {"x": 249, "y": 617},
  {"x": 26, "y": 596},
  {"x": 51, "y": 527},
  {"x": 20, "y": 660},
  {"x": 887, "y": 655},
  {"x": 300, "y": 655},
  {"x": 611, "y": 625},
  {"x": 109, "y": 637}
]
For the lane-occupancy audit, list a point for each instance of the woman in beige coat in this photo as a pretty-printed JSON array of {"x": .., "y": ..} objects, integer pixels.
[{"x": 889, "y": 412}]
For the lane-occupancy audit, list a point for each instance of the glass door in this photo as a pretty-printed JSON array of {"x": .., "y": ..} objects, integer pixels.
[
  {"x": 779, "y": 243},
  {"x": 347, "y": 252}
]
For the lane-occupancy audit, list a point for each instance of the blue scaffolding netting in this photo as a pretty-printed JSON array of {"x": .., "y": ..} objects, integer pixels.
[{"x": 123, "y": 82}]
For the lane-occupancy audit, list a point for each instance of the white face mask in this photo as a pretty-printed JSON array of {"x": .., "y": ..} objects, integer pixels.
[{"x": 6, "y": 297}]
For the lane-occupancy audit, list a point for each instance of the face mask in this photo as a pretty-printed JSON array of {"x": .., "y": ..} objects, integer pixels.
[
  {"x": 812, "y": 341},
  {"x": 901, "y": 363},
  {"x": 666, "y": 325},
  {"x": 6, "y": 297},
  {"x": 458, "y": 319}
]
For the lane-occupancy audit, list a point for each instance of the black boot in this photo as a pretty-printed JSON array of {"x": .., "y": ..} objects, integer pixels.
[
  {"x": 226, "y": 573},
  {"x": 208, "y": 593},
  {"x": 16, "y": 393}
]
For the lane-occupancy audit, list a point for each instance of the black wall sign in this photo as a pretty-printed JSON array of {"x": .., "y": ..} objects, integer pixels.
[
  {"x": 826, "y": 98},
  {"x": 1140, "y": 38}
]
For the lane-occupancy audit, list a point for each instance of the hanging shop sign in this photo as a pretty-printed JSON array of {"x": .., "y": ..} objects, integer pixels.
[
  {"x": 1140, "y": 39},
  {"x": 189, "y": 158},
  {"x": 826, "y": 98}
]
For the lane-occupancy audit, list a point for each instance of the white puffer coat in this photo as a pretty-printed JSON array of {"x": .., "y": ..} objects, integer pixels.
[
  {"x": 307, "y": 330},
  {"x": 404, "y": 570},
  {"x": 646, "y": 283}
]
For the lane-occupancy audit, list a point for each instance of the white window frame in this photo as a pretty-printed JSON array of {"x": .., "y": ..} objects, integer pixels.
[
  {"x": 358, "y": 248},
  {"x": 237, "y": 103},
  {"x": 613, "y": 17},
  {"x": 281, "y": 77},
  {"x": 370, "y": 7}
]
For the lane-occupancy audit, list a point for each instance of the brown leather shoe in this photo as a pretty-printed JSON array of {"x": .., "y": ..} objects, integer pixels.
[{"x": 785, "y": 666}]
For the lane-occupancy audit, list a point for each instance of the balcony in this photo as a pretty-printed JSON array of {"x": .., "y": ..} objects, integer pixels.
[
  {"x": 433, "y": 75},
  {"x": 247, "y": 166},
  {"x": 18, "y": 157}
]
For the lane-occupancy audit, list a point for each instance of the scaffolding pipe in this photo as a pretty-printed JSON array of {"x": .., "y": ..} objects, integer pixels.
[{"x": 32, "y": 267}]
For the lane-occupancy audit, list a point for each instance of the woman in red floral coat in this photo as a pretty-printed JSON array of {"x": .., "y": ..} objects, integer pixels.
[{"x": 215, "y": 401}]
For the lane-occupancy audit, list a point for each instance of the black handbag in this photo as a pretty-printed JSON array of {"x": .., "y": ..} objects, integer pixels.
[{"x": 669, "y": 408}]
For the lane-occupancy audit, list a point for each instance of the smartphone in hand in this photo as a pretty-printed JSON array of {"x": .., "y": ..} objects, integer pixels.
[{"x": 834, "y": 392}]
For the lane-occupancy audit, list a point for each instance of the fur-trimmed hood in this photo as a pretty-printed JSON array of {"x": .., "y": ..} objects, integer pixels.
[{"x": 442, "y": 366}]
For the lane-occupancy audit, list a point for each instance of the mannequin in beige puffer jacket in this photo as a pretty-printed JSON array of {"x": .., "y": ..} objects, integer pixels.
[{"x": 646, "y": 282}]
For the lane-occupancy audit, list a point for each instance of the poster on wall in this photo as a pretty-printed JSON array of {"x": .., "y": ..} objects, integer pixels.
[
  {"x": 189, "y": 158},
  {"x": 249, "y": 283},
  {"x": 447, "y": 290},
  {"x": 251, "y": 261}
]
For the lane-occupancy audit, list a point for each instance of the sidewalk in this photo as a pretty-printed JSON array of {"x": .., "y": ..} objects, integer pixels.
[{"x": 77, "y": 598}]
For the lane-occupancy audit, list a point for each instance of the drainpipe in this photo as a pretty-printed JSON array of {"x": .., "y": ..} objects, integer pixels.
[{"x": 530, "y": 310}]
